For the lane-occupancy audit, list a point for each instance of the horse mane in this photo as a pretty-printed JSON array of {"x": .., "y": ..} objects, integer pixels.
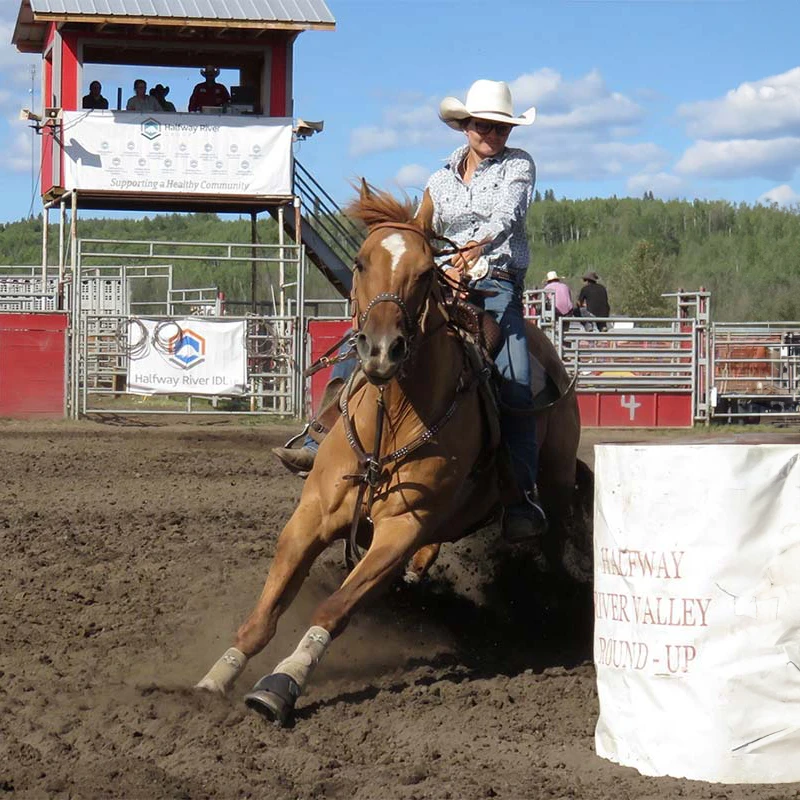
[{"x": 375, "y": 206}]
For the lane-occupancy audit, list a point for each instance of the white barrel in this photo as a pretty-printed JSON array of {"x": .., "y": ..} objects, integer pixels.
[{"x": 697, "y": 608}]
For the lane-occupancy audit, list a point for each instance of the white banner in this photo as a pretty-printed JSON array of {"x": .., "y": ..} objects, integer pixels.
[
  {"x": 125, "y": 151},
  {"x": 187, "y": 356},
  {"x": 697, "y": 610}
]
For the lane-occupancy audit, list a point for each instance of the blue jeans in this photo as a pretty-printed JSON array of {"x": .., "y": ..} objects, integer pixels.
[{"x": 514, "y": 366}]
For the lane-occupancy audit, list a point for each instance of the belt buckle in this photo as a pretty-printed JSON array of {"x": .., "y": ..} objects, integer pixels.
[{"x": 480, "y": 269}]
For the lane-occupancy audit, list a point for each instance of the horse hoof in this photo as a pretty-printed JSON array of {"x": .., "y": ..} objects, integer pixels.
[
  {"x": 411, "y": 578},
  {"x": 274, "y": 697}
]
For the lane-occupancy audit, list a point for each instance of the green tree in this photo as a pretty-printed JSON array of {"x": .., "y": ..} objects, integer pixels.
[{"x": 643, "y": 278}]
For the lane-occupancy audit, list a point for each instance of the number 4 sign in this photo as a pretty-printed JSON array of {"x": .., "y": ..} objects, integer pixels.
[{"x": 629, "y": 402}]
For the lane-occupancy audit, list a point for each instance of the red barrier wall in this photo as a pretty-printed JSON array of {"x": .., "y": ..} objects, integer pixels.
[
  {"x": 323, "y": 335},
  {"x": 33, "y": 365},
  {"x": 640, "y": 410}
]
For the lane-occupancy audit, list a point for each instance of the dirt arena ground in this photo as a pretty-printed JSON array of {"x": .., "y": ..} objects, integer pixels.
[{"x": 131, "y": 552}]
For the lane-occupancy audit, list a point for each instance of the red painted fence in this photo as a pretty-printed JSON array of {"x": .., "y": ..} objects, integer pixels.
[{"x": 33, "y": 365}]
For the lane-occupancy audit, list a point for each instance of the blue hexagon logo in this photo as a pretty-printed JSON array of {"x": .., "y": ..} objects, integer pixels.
[
  {"x": 187, "y": 349},
  {"x": 151, "y": 128}
]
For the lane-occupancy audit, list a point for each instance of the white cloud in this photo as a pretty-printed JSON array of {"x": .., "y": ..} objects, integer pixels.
[
  {"x": 17, "y": 147},
  {"x": 783, "y": 195},
  {"x": 412, "y": 176},
  {"x": 661, "y": 184},
  {"x": 372, "y": 140},
  {"x": 775, "y": 159},
  {"x": 755, "y": 109},
  {"x": 548, "y": 90},
  {"x": 581, "y": 107},
  {"x": 582, "y": 158}
]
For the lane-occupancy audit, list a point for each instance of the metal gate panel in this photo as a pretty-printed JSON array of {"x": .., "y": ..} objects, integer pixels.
[{"x": 104, "y": 359}]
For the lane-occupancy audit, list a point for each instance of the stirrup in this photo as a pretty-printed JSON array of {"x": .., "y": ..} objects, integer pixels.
[
  {"x": 532, "y": 499},
  {"x": 301, "y": 435}
]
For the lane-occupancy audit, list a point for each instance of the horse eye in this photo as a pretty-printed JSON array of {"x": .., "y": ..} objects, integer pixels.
[{"x": 358, "y": 265}]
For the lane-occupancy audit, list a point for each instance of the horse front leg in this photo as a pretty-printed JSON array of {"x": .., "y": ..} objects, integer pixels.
[
  {"x": 299, "y": 544},
  {"x": 393, "y": 541}
]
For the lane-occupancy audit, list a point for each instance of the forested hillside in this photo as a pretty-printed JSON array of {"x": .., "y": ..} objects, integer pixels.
[{"x": 747, "y": 256}]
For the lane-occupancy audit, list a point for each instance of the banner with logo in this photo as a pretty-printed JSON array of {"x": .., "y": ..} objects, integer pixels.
[
  {"x": 125, "y": 151},
  {"x": 187, "y": 356}
]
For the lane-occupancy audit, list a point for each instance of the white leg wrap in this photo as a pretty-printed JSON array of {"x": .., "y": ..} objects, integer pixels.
[
  {"x": 301, "y": 663},
  {"x": 221, "y": 676}
]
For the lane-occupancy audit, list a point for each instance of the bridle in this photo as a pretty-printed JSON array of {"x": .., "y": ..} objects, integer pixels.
[{"x": 411, "y": 323}]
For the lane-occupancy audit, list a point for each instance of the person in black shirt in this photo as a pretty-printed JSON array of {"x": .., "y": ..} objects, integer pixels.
[
  {"x": 95, "y": 97},
  {"x": 594, "y": 298}
]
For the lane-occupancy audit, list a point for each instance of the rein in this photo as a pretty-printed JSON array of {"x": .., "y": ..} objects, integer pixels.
[
  {"x": 325, "y": 361},
  {"x": 373, "y": 464}
]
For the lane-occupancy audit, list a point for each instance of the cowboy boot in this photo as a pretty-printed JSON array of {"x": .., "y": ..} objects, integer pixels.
[
  {"x": 300, "y": 460},
  {"x": 525, "y": 522}
]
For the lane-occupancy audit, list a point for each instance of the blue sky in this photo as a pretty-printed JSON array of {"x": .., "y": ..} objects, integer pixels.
[{"x": 686, "y": 98}]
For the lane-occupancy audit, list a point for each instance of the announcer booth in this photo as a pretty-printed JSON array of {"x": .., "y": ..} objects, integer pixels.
[
  {"x": 119, "y": 159},
  {"x": 236, "y": 158}
]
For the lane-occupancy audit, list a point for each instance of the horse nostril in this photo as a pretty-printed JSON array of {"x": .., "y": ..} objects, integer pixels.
[
  {"x": 363, "y": 346},
  {"x": 398, "y": 349}
]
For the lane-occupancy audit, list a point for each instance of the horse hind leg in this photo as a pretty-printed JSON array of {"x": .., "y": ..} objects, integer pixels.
[
  {"x": 578, "y": 543},
  {"x": 417, "y": 568}
]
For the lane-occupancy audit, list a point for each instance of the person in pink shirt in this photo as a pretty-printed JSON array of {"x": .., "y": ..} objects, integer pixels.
[{"x": 562, "y": 297}]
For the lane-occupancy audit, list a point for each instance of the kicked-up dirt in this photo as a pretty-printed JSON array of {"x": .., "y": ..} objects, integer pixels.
[{"x": 130, "y": 553}]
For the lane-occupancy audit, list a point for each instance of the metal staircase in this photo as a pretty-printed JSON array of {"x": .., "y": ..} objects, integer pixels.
[{"x": 331, "y": 239}]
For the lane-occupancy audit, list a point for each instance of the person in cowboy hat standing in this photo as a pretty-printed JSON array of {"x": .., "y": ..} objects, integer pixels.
[
  {"x": 160, "y": 92},
  {"x": 481, "y": 196},
  {"x": 562, "y": 297},
  {"x": 209, "y": 92},
  {"x": 594, "y": 298}
]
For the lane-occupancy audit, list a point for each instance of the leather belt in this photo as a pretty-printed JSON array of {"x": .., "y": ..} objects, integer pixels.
[{"x": 500, "y": 274}]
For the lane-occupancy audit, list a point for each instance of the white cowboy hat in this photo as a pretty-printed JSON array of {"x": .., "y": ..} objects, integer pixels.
[
  {"x": 485, "y": 100},
  {"x": 552, "y": 276}
]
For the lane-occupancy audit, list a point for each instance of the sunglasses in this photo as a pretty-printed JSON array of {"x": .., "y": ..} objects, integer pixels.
[{"x": 484, "y": 127}]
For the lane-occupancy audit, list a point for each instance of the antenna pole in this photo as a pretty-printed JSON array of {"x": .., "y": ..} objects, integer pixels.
[{"x": 33, "y": 138}]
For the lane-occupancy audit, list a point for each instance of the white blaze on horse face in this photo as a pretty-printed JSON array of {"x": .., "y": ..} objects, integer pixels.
[{"x": 395, "y": 245}]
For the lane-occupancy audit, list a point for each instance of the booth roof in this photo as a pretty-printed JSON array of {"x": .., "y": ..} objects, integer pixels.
[{"x": 263, "y": 14}]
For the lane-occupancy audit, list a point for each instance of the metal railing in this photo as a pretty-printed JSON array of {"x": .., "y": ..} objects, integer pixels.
[
  {"x": 656, "y": 356},
  {"x": 325, "y": 217},
  {"x": 756, "y": 369}
]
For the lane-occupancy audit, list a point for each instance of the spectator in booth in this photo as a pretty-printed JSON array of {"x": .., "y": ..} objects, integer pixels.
[
  {"x": 95, "y": 97},
  {"x": 141, "y": 101},
  {"x": 160, "y": 93},
  {"x": 594, "y": 298},
  {"x": 562, "y": 297},
  {"x": 209, "y": 92}
]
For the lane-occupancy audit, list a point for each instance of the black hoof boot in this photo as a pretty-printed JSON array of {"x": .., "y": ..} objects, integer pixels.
[{"x": 274, "y": 697}]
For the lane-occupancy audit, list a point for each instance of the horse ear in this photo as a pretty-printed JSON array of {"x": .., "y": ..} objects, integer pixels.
[
  {"x": 365, "y": 193},
  {"x": 424, "y": 215}
]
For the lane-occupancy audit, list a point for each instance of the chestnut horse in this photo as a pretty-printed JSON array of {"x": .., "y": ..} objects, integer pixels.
[{"x": 431, "y": 480}]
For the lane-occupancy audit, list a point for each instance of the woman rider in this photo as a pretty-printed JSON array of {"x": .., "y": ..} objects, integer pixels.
[{"x": 480, "y": 200}]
